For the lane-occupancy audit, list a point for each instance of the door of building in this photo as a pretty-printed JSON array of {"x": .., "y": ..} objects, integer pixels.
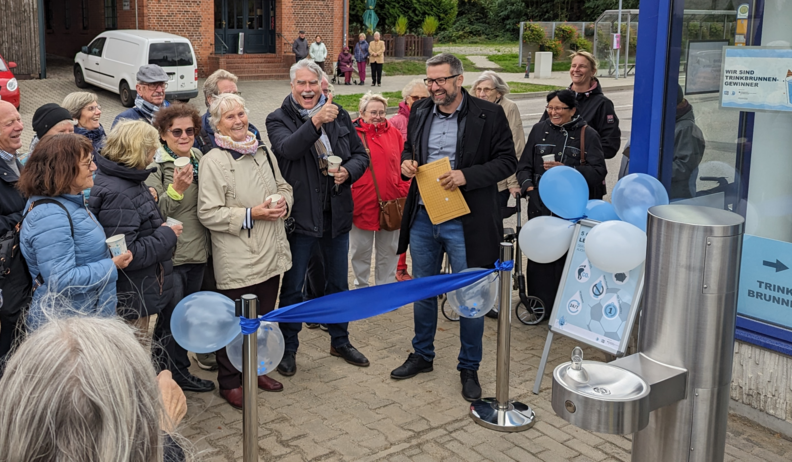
[{"x": 254, "y": 18}]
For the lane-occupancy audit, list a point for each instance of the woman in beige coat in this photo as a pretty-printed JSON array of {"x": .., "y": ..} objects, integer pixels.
[
  {"x": 243, "y": 200},
  {"x": 377, "y": 59}
]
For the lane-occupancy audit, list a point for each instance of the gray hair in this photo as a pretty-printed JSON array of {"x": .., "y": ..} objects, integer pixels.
[
  {"x": 446, "y": 58},
  {"x": 76, "y": 101},
  {"x": 497, "y": 81},
  {"x": 408, "y": 89},
  {"x": 210, "y": 87},
  {"x": 369, "y": 97},
  {"x": 331, "y": 88},
  {"x": 305, "y": 64},
  {"x": 81, "y": 388},
  {"x": 223, "y": 103}
]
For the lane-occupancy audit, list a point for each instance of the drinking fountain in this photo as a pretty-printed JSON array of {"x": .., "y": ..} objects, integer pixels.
[{"x": 673, "y": 395}]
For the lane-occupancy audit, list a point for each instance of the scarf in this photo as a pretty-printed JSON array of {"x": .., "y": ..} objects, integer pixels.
[
  {"x": 147, "y": 109},
  {"x": 97, "y": 136},
  {"x": 249, "y": 146},
  {"x": 322, "y": 145}
]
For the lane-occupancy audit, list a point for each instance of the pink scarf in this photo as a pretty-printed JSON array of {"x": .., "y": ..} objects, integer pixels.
[{"x": 249, "y": 146}]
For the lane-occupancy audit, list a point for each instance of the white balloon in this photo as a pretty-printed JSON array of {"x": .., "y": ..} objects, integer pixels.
[
  {"x": 616, "y": 246},
  {"x": 546, "y": 239}
]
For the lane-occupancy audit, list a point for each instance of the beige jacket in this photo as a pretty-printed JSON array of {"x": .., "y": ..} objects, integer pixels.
[
  {"x": 518, "y": 134},
  {"x": 226, "y": 189},
  {"x": 377, "y": 48}
]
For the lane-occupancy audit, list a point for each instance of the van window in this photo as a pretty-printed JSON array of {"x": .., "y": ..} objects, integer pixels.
[
  {"x": 95, "y": 48},
  {"x": 170, "y": 54}
]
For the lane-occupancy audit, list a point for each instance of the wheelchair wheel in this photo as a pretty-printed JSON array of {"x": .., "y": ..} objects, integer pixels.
[
  {"x": 531, "y": 313},
  {"x": 448, "y": 313}
]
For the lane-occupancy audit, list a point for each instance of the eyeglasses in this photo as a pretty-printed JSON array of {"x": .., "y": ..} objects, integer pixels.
[
  {"x": 376, "y": 113},
  {"x": 556, "y": 109},
  {"x": 156, "y": 86},
  {"x": 440, "y": 81},
  {"x": 416, "y": 98},
  {"x": 177, "y": 132},
  {"x": 94, "y": 108},
  {"x": 484, "y": 89}
]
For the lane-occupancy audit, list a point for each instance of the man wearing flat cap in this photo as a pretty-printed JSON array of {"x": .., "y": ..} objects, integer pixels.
[
  {"x": 300, "y": 47},
  {"x": 50, "y": 119},
  {"x": 152, "y": 81}
]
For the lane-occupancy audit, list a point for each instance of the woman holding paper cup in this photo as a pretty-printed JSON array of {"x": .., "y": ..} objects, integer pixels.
[
  {"x": 175, "y": 180},
  {"x": 63, "y": 244},
  {"x": 243, "y": 200}
]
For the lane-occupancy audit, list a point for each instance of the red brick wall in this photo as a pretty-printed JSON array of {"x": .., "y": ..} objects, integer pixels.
[
  {"x": 65, "y": 42},
  {"x": 192, "y": 19},
  {"x": 126, "y": 18},
  {"x": 323, "y": 18}
]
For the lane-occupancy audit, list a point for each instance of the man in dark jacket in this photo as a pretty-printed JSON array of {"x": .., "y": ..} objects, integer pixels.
[
  {"x": 306, "y": 130},
  {"x": 14, "y": 277},
  {"x": 300, "y": 47},
  {"x": 474, "y": 135},
  {"x": 221, "y": 81},
  {"x": 688, "y": 148},
  {"x": 152, "y": 81}
]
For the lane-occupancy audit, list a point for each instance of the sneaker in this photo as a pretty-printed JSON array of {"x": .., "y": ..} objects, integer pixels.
[
  {"x": 193, "y": 383},
  {"x": 412, "y": 367},
  {"x": 350, "y": 355},
  {"x": 403, "y": 275},
  {"x": 311, "y": 325},
  {"x": 492, "y": 314},
  {"x": 471, "y": 390},
  {"x": 206, "y": 361}
]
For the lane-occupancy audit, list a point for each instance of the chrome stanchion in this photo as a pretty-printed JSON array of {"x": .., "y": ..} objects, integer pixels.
[
  {"x": 501, "y": 413},
  {"x": 249, "y": 384}
]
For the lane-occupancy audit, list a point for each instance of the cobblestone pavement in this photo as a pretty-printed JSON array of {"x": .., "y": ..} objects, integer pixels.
[{"x": 333, "y": 411}]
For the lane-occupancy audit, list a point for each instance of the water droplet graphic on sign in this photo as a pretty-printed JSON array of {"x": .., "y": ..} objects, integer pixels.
[
  {"x": 575, "y": 303},
  {"x": 599, "y": 288},
  {"x": 583, "y": 272},
  {"x": 611, "y": 309}
]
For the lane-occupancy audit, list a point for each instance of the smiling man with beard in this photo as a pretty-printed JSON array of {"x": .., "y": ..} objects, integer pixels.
[
  {"x": 474, "y": 135},
  {"x": 306, "y": 130}
]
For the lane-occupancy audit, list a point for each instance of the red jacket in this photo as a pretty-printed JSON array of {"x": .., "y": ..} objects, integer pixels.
[
  {"x": 400, "y": 120},
  {"x": 386, "y": 144}
]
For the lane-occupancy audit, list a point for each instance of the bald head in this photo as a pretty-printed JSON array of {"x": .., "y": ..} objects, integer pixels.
[{"x": 10, "y": 128}]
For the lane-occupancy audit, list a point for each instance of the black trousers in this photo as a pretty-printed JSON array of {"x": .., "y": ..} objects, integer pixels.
[
  {"x": 315, "y": 276},
  {"x": 376, "y": 73}
]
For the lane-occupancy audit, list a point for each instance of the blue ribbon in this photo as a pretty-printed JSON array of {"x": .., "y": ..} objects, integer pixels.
[{"x": 354, "y": 305}]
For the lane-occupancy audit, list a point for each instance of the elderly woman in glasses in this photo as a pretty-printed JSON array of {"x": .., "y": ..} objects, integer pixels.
[
  {"x": 243, "y": 200},
  {"x": 553, "y": 142},
  {"x": 85, "y": 110},
  {"x": 383, "y": 182}
]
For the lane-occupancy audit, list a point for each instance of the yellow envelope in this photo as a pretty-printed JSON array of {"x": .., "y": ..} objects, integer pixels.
[{"x": 441, "y": 205}]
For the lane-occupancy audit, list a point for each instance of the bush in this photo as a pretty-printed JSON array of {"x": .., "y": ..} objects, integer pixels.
[
  {"x": 693, "y": 30},
  {"x": 581, "y": 44},
  {"x": 555, "y": 46},
  {"x": 589, "y": 31},
  {"x": 565, "y": 33},
  {"x": 401, "y": 26},
  {"x": 716, "y": 30},
  {"x": 533, "y": 33},
  {"x": 430, "y": 26}
]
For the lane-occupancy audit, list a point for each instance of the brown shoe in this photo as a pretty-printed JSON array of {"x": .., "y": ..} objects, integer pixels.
[
  {"x": 267, "y": 384},
  {"x": 233, "y": 396},
  {"x": 403, "y": 275}
]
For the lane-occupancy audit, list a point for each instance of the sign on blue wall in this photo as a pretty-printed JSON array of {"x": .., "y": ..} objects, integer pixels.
[{"x": 766, "y": 281}]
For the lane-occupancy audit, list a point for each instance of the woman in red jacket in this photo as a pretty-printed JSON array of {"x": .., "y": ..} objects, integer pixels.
[{"x": 384, "y": 144}]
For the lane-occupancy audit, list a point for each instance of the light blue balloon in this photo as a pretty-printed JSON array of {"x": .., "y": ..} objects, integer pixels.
[
  {"x": 564, "y": 191},
  {"x": 600, "y": 210},
  {"x": 204, "y": 322},
  {"x": 477, "y": 299},
  {"x": 269, "y": 346},
  {"x": 634, "y": 195}
]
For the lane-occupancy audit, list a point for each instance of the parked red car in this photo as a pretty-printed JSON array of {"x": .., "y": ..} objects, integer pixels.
[{"x": 9, "y": 88}]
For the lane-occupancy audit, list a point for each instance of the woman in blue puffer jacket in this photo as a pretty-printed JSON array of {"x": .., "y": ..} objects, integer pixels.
[{"x": 62, "y": 242}]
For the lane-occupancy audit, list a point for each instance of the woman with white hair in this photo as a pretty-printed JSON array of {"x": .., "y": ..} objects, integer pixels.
[
  {"x": 414, "y": 91},
  {"x": 85, "y": 110},
  {"x": 491, "y": 87},
  {"x": 381, "y": 183},
  {"x": 243, "y": 201},
  {"x": 83, "y": 389}
]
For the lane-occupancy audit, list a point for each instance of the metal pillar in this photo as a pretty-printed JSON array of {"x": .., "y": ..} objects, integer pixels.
[
  {"x": 249, "y": 384},
  {"x": 501, "y": 413},
  {"x": 627, "y": 50},
  {"x": 618, "y": 31},
  {"x": 688, "y": 321}
]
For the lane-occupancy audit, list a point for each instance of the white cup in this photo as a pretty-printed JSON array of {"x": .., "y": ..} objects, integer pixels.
[
  {"x": 116, "y": 244},
  {"x": 274, "y": 198},
  {"x": 548, "y": 158},
  {"x": 333, "y": 164},
  {"x": 171, "y": 222},
  {"x": 181, "y": 162}
]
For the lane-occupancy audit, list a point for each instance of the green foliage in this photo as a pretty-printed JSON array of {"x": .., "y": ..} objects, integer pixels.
[
  {"x": 408, "y": 67},
  {"x": 430, "y": 26},
  {"x": 525, "y": 87},
  {"x": 693, "y": 30},
  {"x": 716, "y": 30},
  {"x": 565, "y": 33},
  {"x": 589, "y": 32},
  {"x": 582, "y": 44},
  {"x": 351, "y": 102},
  {"x": 415, "y": 11},
  {"x": 533, "y": 33},
  {"x": 593, "y": 8},
  {"x": 508, "y": 63},
  {"x": 401, "y": 25},
  {"x": 555, "y": 46}
]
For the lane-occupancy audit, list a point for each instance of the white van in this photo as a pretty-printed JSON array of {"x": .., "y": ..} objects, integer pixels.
[{"x": 113, "y": 58}]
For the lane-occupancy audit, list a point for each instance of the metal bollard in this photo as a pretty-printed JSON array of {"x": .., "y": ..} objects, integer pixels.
[
  {"x": 501, "y": 413},
  {"x": 249, "y": 384}
]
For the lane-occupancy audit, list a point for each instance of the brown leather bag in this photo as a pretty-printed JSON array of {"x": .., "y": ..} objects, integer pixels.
[{"x": 390, "y": 215}]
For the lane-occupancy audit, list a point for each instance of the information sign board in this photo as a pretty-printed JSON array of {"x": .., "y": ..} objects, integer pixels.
[
  {"x": 766, "y": 281},
  {"x": 757, "y": 79}
]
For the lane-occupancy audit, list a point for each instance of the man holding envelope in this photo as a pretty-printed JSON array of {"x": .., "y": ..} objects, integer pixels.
[
  {"x": 320, "y": 155},
  {"x": 474, "y": 135}
]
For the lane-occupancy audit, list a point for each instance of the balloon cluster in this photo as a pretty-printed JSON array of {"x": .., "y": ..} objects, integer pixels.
[
  {"x": 617, "y": 244},
  {"x": 205, "y": 322}
]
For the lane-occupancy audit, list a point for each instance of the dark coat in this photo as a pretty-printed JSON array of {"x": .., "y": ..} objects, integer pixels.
[
  {"x": 132, "y": 113},
  {"x": 292, "y": 141},
  {"x": 688, "y": 151},
  {"x": 485, "y": 155},
  {"x": 123, "y": 204},
  {"x": 345, "y": 62},
  {"x": 16, "y": 286}
]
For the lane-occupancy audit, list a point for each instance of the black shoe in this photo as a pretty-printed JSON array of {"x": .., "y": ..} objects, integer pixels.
[
  {"x": 471, "y": 390},
  {"x": 412, "y": 367},
  {"x": 288, "y": 365},
  {"x": 311, "y": 325},
  {"x": 350, "y": 355},
  {"x": 193, "y": 383},
  {"x": 491, "y": 314},
  {"x": 373, "y": 84},
  {"x": 362, "y": 83}
]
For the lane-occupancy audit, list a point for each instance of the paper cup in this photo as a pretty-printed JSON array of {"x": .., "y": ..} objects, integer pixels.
[
  {"x": 116, "y": 244},
  {"x": 181, "y": 162},
  {"x": 333, "y": 163},
  {"x": 548, "y": 158},
  {"x": 275, "y": 198},
  {"x": 171, "y": 222}
]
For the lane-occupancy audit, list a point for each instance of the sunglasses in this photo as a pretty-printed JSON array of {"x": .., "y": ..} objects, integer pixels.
[{"x": 177, "y": 132}]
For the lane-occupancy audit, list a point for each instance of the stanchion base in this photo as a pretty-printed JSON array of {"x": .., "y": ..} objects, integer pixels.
[{"x": 516, "y": 417}]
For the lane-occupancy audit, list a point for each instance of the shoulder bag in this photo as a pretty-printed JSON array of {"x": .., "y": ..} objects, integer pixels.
[{"x": 390, "y": 215}]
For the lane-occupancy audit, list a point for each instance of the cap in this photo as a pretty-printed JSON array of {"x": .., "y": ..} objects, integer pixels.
[
  {"x": 302, "y": 31},
  {"x": 47, "y": 116},
  {"x": 151, "y": 73}
]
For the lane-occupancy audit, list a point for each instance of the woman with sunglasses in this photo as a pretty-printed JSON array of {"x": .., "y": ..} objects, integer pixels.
[
  {"x": 177, "y": 190},
  {"x": 553, "y": 142}
]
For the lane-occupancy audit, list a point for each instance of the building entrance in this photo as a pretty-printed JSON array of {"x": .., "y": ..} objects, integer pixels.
[{"x": 254, "y": 18}]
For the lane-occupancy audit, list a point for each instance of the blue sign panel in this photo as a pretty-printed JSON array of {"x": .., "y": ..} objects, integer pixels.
[{"x": 766, "y": 281}]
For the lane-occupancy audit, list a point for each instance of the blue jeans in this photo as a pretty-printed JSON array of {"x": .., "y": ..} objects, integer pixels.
[
  {"x": 427, "y": 244},
  {"x": 336, "y": 268}
]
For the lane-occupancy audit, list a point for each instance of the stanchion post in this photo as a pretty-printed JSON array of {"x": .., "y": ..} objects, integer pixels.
[
  {"x": 249, "y": 384},
  {"x": 501, "y": 413}
]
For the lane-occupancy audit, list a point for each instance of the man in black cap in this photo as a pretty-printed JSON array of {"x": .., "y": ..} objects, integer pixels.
[
  {"x": 152, "y": 81},
  {"x": 300, "y": 47},
  {"x": 50, "y": 119}
]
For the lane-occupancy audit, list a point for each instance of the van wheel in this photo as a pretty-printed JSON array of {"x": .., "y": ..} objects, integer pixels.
[
  {"x": 79, "y": 79},
  {"x": 127, "y": 95}
]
